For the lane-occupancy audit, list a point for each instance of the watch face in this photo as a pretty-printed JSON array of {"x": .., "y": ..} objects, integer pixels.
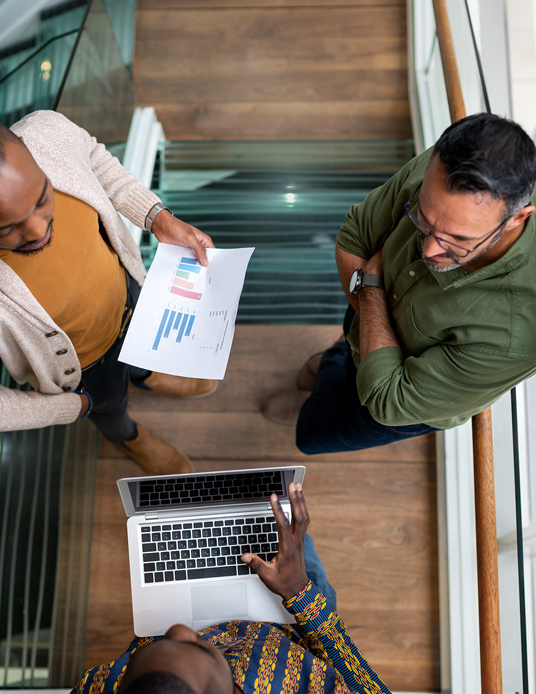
[{"x": 356, "y": 281}]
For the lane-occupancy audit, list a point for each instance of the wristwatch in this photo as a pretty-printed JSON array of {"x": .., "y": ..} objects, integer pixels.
[
  {"x": 149, "y": 220},
  {"x": 361, "y": 279}
]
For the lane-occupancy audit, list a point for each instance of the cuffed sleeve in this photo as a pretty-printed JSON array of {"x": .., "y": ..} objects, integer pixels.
[
  {"x": 29, "y": 410},
  {"x": 443, "y": 387}
]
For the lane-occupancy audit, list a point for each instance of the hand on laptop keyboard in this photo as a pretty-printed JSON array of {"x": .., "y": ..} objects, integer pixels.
[{"x": 285, "y": 574}]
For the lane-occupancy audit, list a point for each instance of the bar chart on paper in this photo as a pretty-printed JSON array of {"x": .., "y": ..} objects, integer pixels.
[
  {"x": 184, "y": 281},
  {"x": 184, "y": 320}
]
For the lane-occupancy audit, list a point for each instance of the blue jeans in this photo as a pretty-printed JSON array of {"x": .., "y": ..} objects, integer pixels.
[
  {"x": 332, "y": 419},
  {"x": 316, "y": 572}
]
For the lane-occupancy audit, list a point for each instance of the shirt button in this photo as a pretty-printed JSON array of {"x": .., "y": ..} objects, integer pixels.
[
  {"x": 66, "y": 388},
  {"x": 69, "y": 371},
  {"x": 395, "y": 297},
  {"x": 54, "y": 332},
  {"x": 412, "y": 273},
  {"x": 62, "y": 351}
]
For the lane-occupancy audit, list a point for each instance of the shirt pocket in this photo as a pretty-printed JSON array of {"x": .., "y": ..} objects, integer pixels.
[{"x": 412, "y": 340}]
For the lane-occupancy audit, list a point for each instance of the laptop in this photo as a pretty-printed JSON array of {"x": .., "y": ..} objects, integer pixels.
[{"x": 186, "y": 534}]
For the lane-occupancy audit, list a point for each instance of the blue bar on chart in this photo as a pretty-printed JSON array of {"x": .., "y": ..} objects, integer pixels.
[
  {"x": 190, "y": 324},
  {"x": 182, "y": 328},
  {"x": 174, "y": 320},
  {"x": 189, "y": 268},
  {"x": 169, "y": 324},
  {"x": 161, "y": 328}
]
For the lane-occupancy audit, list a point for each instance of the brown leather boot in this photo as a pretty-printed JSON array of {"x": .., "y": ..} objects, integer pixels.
[
  {"x": 155, "y": 456},
  {"x": 285, "y": 407},
  {"x": 179, "y": 386}
]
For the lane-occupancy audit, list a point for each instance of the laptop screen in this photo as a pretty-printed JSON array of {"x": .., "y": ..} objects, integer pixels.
[{"x": 210, "y": 489}]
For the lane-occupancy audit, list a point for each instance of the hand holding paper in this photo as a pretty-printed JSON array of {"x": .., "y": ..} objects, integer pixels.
[{"x": 184, "y": 321}]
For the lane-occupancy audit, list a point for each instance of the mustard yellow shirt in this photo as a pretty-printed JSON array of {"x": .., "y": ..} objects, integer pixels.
[{"x": 77, "y": 278}]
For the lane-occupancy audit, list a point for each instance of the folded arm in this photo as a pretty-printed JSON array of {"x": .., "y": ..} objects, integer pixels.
[{"x": 442, "y": 387}]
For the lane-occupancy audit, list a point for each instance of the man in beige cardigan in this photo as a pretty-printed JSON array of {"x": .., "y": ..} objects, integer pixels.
[{"x": 69, "y": 279}]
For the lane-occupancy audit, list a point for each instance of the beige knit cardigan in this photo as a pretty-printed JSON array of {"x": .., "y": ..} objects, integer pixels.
[{"x": 31, "y": 344}]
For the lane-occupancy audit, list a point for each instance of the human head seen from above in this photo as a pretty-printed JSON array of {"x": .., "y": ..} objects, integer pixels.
[
  {"x": 474, "y": 200},
  {"x": 181, "y": 663},
  {"x": 26, "y": 198}
]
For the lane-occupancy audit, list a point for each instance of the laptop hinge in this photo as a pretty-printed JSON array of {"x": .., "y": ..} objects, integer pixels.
[{"x": 151, "y": 516}]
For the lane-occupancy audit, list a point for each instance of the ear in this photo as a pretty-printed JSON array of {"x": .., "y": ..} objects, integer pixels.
[{"x": 521, "y": 216}]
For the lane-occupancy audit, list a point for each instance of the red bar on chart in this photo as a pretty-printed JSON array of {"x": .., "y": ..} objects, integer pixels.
[
  {"x": 183, "y": 283},
  {"x": 185, "y": 293}
]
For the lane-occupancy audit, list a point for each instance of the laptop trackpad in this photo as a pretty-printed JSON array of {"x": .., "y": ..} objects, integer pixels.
[{"x": 219, "y": 603}]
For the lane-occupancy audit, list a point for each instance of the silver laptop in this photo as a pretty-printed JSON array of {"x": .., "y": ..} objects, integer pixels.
[{"x": 186, "y": 534}]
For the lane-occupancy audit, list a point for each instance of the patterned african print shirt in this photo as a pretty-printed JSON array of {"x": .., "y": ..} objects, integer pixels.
[{"x": 313, "y": 656}]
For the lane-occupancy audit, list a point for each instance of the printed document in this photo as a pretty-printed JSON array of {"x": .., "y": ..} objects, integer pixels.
[{"x": 185, "y": 317}]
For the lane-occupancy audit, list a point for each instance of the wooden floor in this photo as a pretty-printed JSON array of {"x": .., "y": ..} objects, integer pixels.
[{"x": 373, "y": 513}]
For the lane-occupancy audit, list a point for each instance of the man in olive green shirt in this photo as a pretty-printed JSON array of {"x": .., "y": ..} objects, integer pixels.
[{"x": 453, "y": 324}]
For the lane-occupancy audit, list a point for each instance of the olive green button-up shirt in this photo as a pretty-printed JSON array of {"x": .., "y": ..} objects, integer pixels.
[{"x": 465, "y": 337}]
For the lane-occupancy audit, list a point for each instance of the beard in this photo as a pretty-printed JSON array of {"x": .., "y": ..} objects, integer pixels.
[
  {"x": 455, "y": 261},
  {"x": 35, "y": 251}
]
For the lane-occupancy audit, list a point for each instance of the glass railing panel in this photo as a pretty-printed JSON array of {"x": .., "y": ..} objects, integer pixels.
[
  {"x": 98, "y": 93},
  {"x": 46, "y": 501},
  {"x": 35, "y": 85},
  {"x": 122, "y": 14},
  {"x": 427, "y": 81},
  {"x": 61, "y": 18}
]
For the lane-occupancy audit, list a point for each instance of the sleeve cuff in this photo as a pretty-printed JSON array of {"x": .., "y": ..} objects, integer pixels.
[{"x": 311, "y": 609}]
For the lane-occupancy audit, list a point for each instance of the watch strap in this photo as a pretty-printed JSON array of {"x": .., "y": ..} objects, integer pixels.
[
  {"x": 149, "y": 220},
  {"x": 373, "y": 281}
]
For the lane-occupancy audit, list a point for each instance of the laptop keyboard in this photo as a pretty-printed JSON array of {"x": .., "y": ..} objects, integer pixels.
[{"x": 205, "y": 549}]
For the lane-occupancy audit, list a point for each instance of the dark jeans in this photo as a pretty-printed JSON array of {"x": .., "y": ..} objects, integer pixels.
[
  {"x": 333, "y": 420},
  {"x": 316, "y": 572},
  {"x": 107, "y": 382}
]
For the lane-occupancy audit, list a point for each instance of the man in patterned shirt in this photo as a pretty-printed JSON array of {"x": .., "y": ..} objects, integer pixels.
[{"x": 315, "y": 655}]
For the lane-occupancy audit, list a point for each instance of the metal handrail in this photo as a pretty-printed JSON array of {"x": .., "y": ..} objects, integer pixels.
[{"x": 485, "y": 516}]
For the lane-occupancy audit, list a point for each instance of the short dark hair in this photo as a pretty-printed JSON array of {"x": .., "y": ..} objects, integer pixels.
[
  {"x": 485, "y": 152},
  {"x": 157, "y": 683},
  {"x": 6, "y": 135}
]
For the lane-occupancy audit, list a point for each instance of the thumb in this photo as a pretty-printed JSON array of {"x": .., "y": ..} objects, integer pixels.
[
  {"x": 254, "y": 562},
  {"x": 200, "y": 250}
]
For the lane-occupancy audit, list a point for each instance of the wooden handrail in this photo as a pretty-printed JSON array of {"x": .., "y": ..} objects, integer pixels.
[
  {"x": 448, "y": 61},
  {"x": 486, "y": 550},
  {"x": 486, "y": 528}
]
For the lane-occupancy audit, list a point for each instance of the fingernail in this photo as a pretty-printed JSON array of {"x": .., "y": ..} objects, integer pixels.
[{"x": 298, "y": 487}]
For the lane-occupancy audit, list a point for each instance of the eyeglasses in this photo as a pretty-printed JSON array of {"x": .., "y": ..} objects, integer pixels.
[{"x": 449, "y": 246}]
